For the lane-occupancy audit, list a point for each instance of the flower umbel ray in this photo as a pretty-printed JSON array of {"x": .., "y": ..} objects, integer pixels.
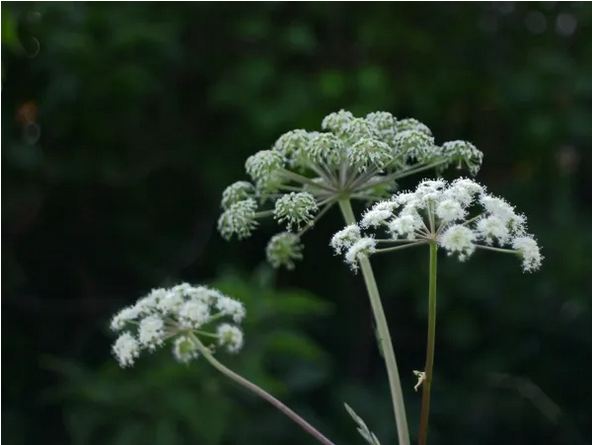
[
  {"x": 305, "y": 173},
  {"x": 460, "y": 217}
]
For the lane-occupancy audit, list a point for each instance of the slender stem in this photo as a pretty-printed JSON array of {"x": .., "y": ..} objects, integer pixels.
[
  {"x": 304, "y": 180},
  {"x": 496, "y": 249},
  {"x": 400, "y": 174},
  {"x": 317, "y": 217},
  {"x": 260, "y": 392},
  {"x": 404, "y": 246},
  {"x": 393, "y": 241},
  {"x": 384, "y": 335},
  {"x": 264, "y": 214},
  {"x": 427, "y": 383}
]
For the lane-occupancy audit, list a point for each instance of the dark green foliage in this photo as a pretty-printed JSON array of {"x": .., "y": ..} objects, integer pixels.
[{"x": 123, "y": 122}]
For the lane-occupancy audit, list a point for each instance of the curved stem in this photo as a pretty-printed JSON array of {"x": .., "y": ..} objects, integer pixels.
[
  {"x": 260, "y": 392},
  {"x": 384, "y": 336},
  {"x": 429, "y": 367}
]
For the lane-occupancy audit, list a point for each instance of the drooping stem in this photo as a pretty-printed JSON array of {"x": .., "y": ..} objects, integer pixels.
[
  {"x": 384, "y": 335},
  {"x": 260, "y": 392},
  {"x": 429, "y": 367}
]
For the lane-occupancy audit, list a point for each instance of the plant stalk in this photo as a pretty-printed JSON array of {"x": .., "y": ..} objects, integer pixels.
[
  {"x": 384, "y": 335},
  {"x": 429, "y": 367},
  {"x": 260, "y": 392}
]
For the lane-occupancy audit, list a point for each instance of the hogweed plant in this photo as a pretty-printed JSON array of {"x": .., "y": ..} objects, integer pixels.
[
  {"x": 195, "y": 320},
  {"x": 459, "y": 217},
  {"x": 296, "y": 183}
]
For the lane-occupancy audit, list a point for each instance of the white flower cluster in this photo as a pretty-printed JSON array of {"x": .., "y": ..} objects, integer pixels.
[
  {"x": 308, "y": 172},
  {"x": 182, "y": 313},
  {"x": 458, "y": 216}
]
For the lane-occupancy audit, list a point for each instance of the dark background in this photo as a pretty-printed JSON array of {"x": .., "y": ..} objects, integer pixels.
[{"x": 123, "y": 122}]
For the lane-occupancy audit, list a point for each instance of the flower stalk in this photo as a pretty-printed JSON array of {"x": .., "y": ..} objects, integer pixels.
[
  {"x": 431, "y": 340},
  {"x": 207, "y": 353},
  {"x": 386, "y": 344}
]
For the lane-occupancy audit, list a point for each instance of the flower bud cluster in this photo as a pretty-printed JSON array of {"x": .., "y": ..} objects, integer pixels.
[
  {"x": 305, "y": 173},
  {"x": 181, "y": 314}
]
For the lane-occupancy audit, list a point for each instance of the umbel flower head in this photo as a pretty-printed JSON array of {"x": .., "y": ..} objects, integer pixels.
[
  {"x": 459, "y": 216},
  {"x": 180, "y": 314},
  {"x": 305, "y": 173}
]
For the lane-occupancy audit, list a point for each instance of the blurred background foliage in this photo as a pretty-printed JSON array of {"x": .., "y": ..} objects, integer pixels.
[{"x": 123, "y": 122}]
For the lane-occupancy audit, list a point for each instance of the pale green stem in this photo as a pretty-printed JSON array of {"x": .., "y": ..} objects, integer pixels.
[
  {"x": 404, "y": 246},
  {"x": 394, "y": 241},
  {"x": 329, "y": 204},
  {"x": 429, "y": 367},
  {"x": 399, "y": 174},
  {"x": 367, "y": 197},
  {"x": 264, "y": 214},
  {"x": 304, "y": 180},
  {"x": 386, "y": 344},
  {"x": 260, "y": 392},
  {"x": 496, "y": 249}
]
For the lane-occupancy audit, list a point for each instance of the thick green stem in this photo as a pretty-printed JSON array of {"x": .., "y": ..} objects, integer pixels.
[
  {"x": 260, "y": 392},
  {"x": 429, "y": 367},
  {"x": 384, "y": 336}
]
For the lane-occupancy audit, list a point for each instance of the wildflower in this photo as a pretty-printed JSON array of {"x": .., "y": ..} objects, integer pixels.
[
  {"x": 460, "y": 217},
  {"x": 375, "y": 217},
  {"x": 345, "y": 238},
  {"x": 184, "y": 349},
  {"x": 151, "y": 331},
  {"x": 292, "y": 142},
  {"x": 385, "y": 123},
  {"x": 414, "y": 144},
  {"x": 307, "y": 172},
  {"x": 463, "y": 153},
  {"x": 182, "y": 313},
  {"x": 458, "y": 239},
  {"x": 264, "y": 167},
  {"x": 238, "y": 220},
  {"x": 364, "y": 247},
  {"x": 413, "y": 124},
  {"x": 529, "y": 250},
  {"x": 370, "y": 152},
  {"x": 336, "y": 122},
  {"x": 231, "y": 307},
  {"x": 295, "y": 209},
  {"x": 283, "y": 249},
  {"x": 323, "y": 149},
  {"x": 231, "y": 337},
  {"x": 239, "y": 191},
  {"x": 126, "y": 349}
]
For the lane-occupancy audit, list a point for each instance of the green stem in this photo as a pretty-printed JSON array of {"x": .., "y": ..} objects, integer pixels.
[
  {"x": 404, "y": 246},
  {"x": 384, "y": 336},
  {"x": 260, "y": 392},
  {"x": 429, "y": 367},
  {"x": 400, "y": 174},
  {"x": 496, "y": 249},
  {"x": 304, "y": 180}
]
